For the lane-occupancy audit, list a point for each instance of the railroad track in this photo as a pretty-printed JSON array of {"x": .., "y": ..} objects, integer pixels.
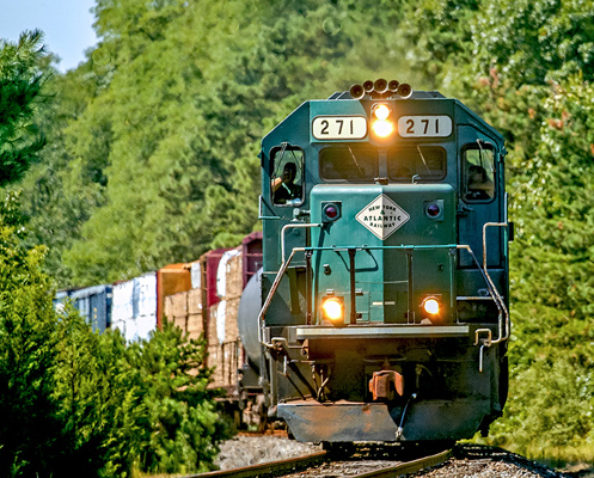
[
  {"x": 323, "y": 464},
  {"x": 407, "y": 467},
  {"x": 273, "y": 468}
]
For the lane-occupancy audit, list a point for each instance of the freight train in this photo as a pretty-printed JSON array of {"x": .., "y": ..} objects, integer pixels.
[
  {"x": 374, "y": 304},
  {"x": 200, "y": 297},
  {"x": 381, "y": 311}
]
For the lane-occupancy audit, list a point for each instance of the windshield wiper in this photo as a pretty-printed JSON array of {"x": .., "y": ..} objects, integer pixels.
[
  {"x": 481, "y": 154},
  {"x": 360, "y": 170},
  {"x": 424, "y": 161},
  {"x": 284, "y": 145}
]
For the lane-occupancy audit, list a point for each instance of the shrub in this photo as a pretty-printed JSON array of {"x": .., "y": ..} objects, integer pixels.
[{"x": 72, "y": 399}]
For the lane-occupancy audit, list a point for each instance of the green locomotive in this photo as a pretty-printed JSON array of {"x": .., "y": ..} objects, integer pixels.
[{"x": 383, "y": 300}]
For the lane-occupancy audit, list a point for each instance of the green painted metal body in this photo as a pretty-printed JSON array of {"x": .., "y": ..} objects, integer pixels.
[
  {"x": 381, "y": 273},
  {"x": 383, "y": 280}
]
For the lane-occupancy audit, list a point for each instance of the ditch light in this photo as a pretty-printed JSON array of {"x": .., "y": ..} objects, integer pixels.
[{"x": 333, "y": 310}]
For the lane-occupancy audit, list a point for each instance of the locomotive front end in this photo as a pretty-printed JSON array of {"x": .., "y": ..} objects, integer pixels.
[{"x": 379, "y": 321}]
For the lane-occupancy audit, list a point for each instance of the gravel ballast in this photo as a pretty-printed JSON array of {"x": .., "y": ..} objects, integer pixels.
[
  {"x": 251, "y": 450},
  {"x": 469, "y": 461}
]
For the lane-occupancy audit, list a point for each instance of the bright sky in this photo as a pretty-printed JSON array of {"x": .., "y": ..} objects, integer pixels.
[{"x": 67, "y": 26}]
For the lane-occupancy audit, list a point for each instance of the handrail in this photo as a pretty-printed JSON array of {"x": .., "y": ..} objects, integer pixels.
[
  {"x": 294, "y": 225},
  {"x": 277, "y": 279},
  {"x": 365, "y": 247},
  {"x": 502, "y": 336},
  {"x": 260, "y": 216},
  {"x": 502, "y": 309}
]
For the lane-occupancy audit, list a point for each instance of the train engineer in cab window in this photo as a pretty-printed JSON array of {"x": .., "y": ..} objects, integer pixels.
[
  {"x": 479, "y": 172},
  {"x": 287, "y": 181}
]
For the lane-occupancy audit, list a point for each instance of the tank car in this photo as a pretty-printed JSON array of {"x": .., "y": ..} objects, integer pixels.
[{"x": 381, "y": 311}]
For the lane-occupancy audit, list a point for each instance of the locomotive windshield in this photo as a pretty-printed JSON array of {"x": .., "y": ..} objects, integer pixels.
[
  {"x": 361, "y": 165},
  {"x": 348, "y": 163},
  {"x": 421, "y": 163}
]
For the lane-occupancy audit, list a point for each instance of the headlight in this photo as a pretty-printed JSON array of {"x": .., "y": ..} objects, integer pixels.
[
  {"x": 333, "y": 309},
  {"x": 381, "y": 111},
  {"x": 432, "y": 306},
  {"x": 382, "y": 127}
]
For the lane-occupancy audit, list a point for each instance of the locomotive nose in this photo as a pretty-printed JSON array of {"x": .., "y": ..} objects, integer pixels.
[
  {"x": 385, "y": 215},
  {"x": 399, "y": 236}
]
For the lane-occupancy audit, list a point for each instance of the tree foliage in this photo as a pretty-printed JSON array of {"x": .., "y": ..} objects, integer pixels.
[
  {"x": 183, "y": 427},
  {"x": 28, "y": 438},
  {"x": 141, "y": 406},
  {"x": 20, "y": 85}
]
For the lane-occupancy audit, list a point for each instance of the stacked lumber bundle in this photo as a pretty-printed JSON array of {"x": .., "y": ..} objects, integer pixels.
[
  {"x": 224, "y": 346},
  {"x": 184, "y": 309},
  {"x": 211, "y": 306}
]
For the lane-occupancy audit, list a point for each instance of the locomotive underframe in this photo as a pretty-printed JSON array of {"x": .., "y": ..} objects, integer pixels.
[{"x": 445, "y": 396}]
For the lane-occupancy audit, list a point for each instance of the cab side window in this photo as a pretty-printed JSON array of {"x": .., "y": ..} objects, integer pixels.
[
  {"x": 287, "y": 177},
  {"x": 478, "y": 175}
]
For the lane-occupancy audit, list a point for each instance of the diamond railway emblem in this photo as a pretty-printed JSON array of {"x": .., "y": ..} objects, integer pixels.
[{"x": 382, "y": 217}]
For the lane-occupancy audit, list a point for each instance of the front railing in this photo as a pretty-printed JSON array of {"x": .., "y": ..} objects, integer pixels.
[{"x": 482, "y": 336}]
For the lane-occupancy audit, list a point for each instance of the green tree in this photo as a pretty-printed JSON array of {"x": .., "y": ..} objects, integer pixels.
[
  {"x": 181, "y": 428},
  {"x": 30, "y": 430},
  {"x": 142, "y": 406},
  {"x": 74, "y": 399},
  {"x": 553, "y": 280},
  {"x": 21, "y": 81},
  {"x": 63, "y": 189},
  {"x": 101, "y": 405}
]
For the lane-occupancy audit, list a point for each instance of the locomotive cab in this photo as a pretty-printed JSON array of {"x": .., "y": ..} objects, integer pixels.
[{"x": 384, "y": 286}]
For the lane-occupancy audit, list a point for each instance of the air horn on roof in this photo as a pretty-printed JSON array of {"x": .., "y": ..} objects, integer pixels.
[{"x": 380, "y": 88}]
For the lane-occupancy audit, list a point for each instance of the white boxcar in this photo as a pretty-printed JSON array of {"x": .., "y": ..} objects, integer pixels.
[{"x": 134, "y": 307}]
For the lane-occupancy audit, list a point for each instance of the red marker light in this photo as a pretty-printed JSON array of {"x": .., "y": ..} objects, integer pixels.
[
  {"x": 331, "y": 211},
  {"x": 433, "y": 210}
]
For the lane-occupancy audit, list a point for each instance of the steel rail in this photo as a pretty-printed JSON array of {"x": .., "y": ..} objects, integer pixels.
[
  {"x": 407, "y": 467},
  {"x": 266, "y": 469}
]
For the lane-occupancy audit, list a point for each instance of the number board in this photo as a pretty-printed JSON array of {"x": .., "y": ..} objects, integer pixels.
[
  {"x": 424, "y": 126},
  {"x": 339, "y": 127}
]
